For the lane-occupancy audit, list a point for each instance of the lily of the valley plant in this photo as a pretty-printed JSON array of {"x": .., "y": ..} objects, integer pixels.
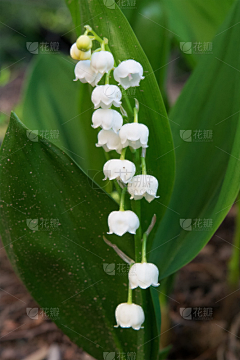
[{"x": 119, "y": 134}]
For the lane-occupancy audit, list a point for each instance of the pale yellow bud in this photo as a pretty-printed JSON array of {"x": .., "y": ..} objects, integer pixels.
[
  {"x": 84, "y": 55},
  {"x": 74, "y": 52},
  {"x": 77, "y": 54},
  {"x": 84, "y": 43}
]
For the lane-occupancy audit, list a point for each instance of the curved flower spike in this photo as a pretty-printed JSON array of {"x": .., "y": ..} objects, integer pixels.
[
  {"x": 84, "y": 73},
  {"x": 107, "y": 119},
  {"x": 105, "y": 96},
  {"x": 120, "y": 222},
  {"x": 143, "y": 186},
  {"x": 134, "y": 135},
  {"x": 102, "y": 62},
  {"x": 129, "y": 315},
  {"x": 109, "y": 140},
  {"x": 119, "y": 169},
  {"x": 128, "y": 73},
  {"x": 77, "y": 54},
  {"x": 143, "y": 275}
]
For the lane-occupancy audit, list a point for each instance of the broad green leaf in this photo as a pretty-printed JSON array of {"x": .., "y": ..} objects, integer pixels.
[
  {"x": 208, "y": 169},
  {"x": 61, "y": 110},
  {"x": 195, "y": 21},
  {"x": 52, "y": 221},
  {"x": 111, "y": 23},
  {"x": 150, "y": 27}
]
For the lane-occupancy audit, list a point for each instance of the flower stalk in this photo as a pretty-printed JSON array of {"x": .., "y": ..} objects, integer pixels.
[
  {"x": 122, "y": 199},
  {"x": 116, "y": 136}
]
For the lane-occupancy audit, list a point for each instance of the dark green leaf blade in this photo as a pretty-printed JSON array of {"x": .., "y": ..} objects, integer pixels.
[
  {"x": 208, "y": 170},
  {"x": 52, "y": 222}
]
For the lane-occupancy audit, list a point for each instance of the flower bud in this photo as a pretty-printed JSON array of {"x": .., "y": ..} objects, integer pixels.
[
  {"x": 109, "y": 140},
  {"x": 134, "y": 135},
  {"x": 102, "y": 62},
  {"x": 119, "y": 169},
  {"x": 143, "y": 275},
  {"x": 76, "y": 54},
  {"x": 120, "y": 222},
  {"x": 129, "y": 315},
  {"x": 128, "y": 73},
  {"x": 84, "y": 43},
  {"x": 143, "y": 186},
  {"x": 107, "y": 119}
]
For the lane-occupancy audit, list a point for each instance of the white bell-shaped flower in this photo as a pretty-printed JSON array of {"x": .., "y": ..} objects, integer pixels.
[
  {"x": 107, "y": 119},
  {"x": 119, "y": 169},
  {"x": 109, "y": 140},
  {"x": 120, "y": 222},
  {"x": 143, "y": 186},
  {"x": 129, "y": 315},
  {"x": 102, "y": 62},
  {"x": 128, "y": 73},
  {"x": 134, "y": 135},
  {"x": 143, "y": 275},
  {"x": 85, "y": 74},
  {"x": 77, "y": 54},
  {"x": 105, "y": 96}
]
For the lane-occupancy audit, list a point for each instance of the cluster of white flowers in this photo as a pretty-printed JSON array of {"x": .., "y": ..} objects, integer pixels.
[{"x": 114, "y": 135}]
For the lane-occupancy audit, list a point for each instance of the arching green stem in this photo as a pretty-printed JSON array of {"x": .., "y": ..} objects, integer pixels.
[
  {"x": 144, "y": 248},
  {"x": 122, "y": 157},
  {"x": 129, "y": 301},
  {"x": 121, "y": 207},
  {"x": 107, "y": 78},
  {"x": 135, "y": 114},
  {"x": 143, "y": 162},
  {"x": 129, "y": 290}
]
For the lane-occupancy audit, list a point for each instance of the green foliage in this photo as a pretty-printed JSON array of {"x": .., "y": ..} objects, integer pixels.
[
  {"x": 208, "y": 171},
  {"x": 195, "y": 21},
  {"x": 62, "y": 263}
]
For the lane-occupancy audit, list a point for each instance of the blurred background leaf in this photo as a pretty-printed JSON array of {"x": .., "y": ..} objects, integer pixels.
[
  {"x": 208, "y": 170},
  {"x": 62, "y": 109},
  {"x": 195, "y": 21}
]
